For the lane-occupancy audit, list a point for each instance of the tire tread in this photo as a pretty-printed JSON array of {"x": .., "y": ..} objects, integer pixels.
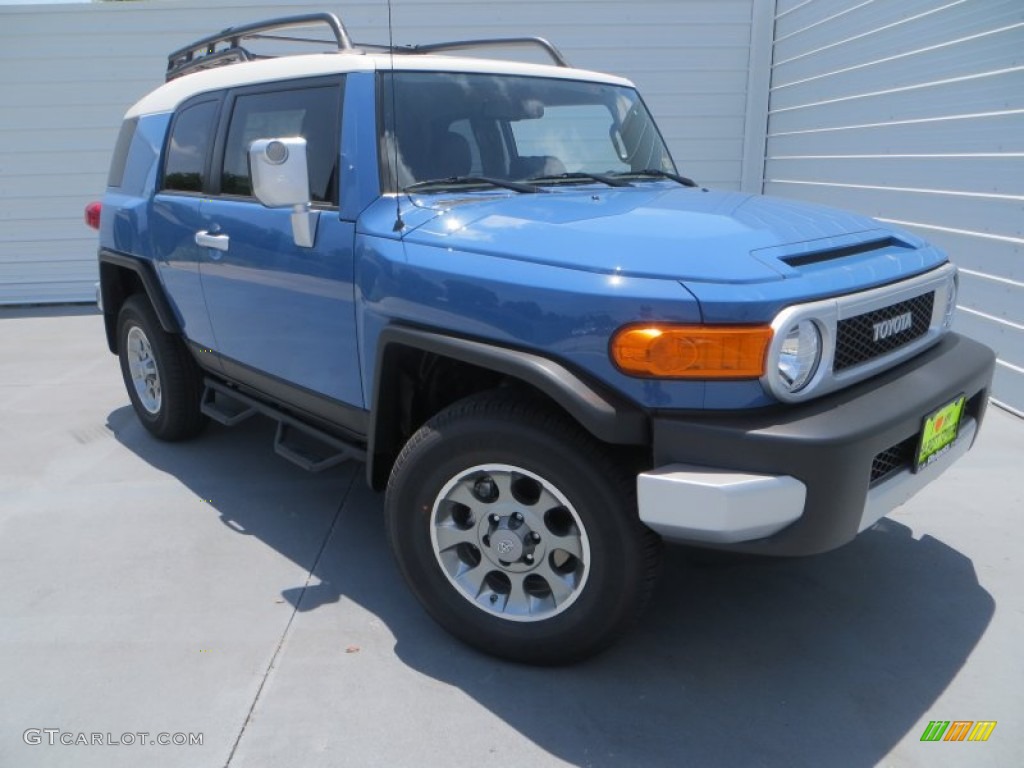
[
  {"x": 180, "y": 377},
  {"x": 515, "y": 407}
]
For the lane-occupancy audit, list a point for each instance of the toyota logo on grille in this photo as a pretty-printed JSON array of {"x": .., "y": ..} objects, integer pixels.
[{"x": 893, "y": 326}]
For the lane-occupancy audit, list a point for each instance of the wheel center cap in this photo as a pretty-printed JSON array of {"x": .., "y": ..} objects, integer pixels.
[{"x": 507, "y": 545}]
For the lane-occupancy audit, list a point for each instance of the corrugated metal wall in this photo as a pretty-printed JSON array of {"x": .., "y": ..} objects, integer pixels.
[
  {"x": 70, "y": 71},
  {"x": 913, "y": 111}
]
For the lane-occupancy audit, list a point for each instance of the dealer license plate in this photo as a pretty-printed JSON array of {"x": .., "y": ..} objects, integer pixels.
[{"x": 939, "y": 432}]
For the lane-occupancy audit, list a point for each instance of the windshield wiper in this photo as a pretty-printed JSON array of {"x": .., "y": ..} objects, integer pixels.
[
  {"x": 579, "y": 176},
  {"x": 480, "y": 181},
  {"x": 657, "y": 173}
]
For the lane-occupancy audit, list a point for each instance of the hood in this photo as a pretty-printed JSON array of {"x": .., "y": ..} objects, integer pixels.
[{"x": 655, "y": 231}]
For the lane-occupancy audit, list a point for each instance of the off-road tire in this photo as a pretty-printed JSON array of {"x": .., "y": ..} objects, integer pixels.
[
  {"x": 169, "y": 404},
  {"x": 525, "y": 441}
]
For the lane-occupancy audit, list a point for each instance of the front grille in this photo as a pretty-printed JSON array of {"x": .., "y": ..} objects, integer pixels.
[
  {"x": 856, "y": 341},
  {"x": 893, "y": 459}
]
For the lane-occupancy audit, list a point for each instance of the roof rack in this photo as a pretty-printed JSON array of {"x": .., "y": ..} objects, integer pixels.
[
  {"x": 204, "y": 53},
  {"x": 495, "y": 42},
  {"x": 462, "y": 45}
]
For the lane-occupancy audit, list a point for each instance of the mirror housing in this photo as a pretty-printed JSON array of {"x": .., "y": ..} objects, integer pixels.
[
  {"x": 280, "y": 175},
  {"x": 280, "y": 179}
]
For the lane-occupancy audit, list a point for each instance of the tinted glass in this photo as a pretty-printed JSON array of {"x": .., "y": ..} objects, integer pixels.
[
  {"x": 439, "y": 125},
  {"x": 580, "y": 134},
  {"x": 120, "y": 158},
  {"x": 191, "y": 138},
  {"x": 308, "y": 112}
]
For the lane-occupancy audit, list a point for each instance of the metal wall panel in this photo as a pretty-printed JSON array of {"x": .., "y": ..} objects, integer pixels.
[
  {"x": 913, "y": 111},
  {"x": 71, "y": 71}
]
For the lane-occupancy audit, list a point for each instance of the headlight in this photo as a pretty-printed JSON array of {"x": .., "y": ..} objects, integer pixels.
[{"x": 799, "y": 355}]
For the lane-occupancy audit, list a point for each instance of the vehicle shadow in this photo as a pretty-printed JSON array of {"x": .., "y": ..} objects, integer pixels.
[{"x": 829, "y": 660}]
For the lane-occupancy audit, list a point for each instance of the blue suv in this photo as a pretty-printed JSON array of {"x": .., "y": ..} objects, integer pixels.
[{"x": 489, "y": 281}]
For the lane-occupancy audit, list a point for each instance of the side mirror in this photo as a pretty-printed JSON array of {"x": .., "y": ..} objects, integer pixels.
[{"x": 280, "y": 179}]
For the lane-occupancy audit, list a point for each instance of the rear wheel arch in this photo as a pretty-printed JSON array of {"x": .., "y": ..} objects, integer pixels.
[{"x": 122, "y": 276}]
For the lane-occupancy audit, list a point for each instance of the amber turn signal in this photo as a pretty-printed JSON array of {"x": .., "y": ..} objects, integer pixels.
[{"x": 691, "y": 351}]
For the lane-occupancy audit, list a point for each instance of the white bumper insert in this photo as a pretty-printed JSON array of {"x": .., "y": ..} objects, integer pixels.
[{"x": 683, "y": 502}]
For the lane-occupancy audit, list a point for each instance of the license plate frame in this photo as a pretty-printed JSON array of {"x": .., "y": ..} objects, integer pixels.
[{"x": 939, "y": 431}]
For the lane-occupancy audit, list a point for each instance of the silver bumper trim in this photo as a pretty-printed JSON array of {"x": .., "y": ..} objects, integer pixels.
[{"x": 683, "y": 502}]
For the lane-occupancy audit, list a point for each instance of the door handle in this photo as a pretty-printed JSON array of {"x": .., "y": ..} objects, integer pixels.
[{"x": 218, "y": 242}]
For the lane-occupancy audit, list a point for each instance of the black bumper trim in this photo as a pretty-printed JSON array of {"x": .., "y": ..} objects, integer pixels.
[{"x": 829, "y": 444}]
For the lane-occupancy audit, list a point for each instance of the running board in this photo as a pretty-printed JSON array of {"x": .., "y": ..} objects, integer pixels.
[
  {"x": 225, "y": 409},
  {"x": 310, "y": 448}
]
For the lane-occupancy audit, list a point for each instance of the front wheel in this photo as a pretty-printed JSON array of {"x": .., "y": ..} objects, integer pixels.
[{"x": 518, "y": 532}]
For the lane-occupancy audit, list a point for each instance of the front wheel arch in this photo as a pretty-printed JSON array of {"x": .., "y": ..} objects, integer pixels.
[{"x": 402, "y": 351}]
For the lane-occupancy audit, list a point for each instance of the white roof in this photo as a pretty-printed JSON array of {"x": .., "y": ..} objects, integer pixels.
[{"x": 168, "y": 96}]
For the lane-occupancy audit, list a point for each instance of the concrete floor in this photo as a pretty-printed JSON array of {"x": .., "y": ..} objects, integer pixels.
[{"x": 213, "y": 588}]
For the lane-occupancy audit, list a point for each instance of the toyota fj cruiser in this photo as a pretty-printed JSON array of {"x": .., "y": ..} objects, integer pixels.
[{"x": 488, "y": 281}]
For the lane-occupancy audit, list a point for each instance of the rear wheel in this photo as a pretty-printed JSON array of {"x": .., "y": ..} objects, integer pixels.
[
  {"x": 518, "y": 532},
  {"x": 163, "y": 382}
]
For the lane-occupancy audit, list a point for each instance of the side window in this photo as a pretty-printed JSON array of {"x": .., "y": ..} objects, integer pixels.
[
  {"x": 120, "y": 158},
  {"x": 312, "y": 113},
  {"x": 191, "y": 137}
]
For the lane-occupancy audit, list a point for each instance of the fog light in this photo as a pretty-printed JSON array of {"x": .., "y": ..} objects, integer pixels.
[{"x": 799, "y": 355}]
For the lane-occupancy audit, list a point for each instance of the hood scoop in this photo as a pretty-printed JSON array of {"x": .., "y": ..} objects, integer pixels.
[
  {"x": 831, "y": 254},
  {"x": 838, "y": 251}
]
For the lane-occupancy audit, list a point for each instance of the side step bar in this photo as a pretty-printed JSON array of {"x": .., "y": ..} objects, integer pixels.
[
  {"x": 226, "y": 410},
  {"x": 310, "y": 448}
]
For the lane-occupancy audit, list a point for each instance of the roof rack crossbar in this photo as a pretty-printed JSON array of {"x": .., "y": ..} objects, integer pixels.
[
  {"x": 203, "y": 53},
  {"x": 497, "y": 42},
  {"x": 289, "y": 39}
]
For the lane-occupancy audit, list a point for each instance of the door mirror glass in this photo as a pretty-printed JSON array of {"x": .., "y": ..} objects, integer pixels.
[{"x": 280, "y": 172}]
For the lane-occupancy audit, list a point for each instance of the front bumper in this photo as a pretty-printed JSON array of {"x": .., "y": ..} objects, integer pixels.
[{"x": 798, "y": 480}]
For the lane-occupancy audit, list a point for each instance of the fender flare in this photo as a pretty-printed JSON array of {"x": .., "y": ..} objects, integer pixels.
[
  {"x": 606, "y": 415},
  {"x": 113, "y": 292}
]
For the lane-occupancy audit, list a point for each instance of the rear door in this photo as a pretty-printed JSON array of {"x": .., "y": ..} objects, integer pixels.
[
  {"x": 283, "y": 316},
  {"x": 175, "y": 213}
]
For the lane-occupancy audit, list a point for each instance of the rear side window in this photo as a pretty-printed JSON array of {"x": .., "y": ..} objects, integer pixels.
[
  {"x": 120, "y": 159},
  {"x": 191, "y": 137},
  {"x": 312, "y": 113}
]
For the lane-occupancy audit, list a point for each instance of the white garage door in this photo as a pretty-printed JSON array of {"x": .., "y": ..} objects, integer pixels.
[
  {"x": 913, "y": 111},
  {"x": 69, "y": 72}
]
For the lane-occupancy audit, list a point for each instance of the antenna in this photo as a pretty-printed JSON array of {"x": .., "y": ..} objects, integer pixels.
[{"x": 399, "y": 224}]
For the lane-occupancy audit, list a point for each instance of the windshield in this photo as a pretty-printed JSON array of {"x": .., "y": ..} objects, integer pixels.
[{"x": 513, "y": 128}]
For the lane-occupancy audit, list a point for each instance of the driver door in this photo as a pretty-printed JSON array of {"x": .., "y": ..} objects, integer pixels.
[{"x": 283, "y": 316}]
